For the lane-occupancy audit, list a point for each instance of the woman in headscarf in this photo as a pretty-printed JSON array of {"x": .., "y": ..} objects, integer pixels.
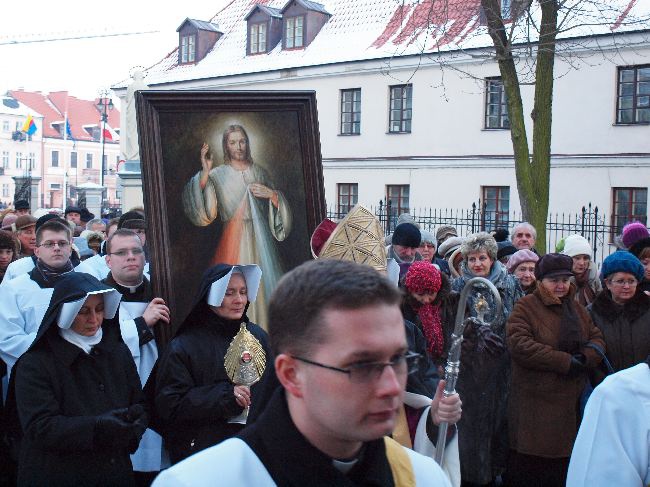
[
  {"x": 622, "y": 312},
  {"x": 75, "y": 394},
  {"x": 430, "y": 304},
  {"x": 199, "y": 402},
  {"x": 484, "y": 377},
  {"x": 550, "y": 337}
]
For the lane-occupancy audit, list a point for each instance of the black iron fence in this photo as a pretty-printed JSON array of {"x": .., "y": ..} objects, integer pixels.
[{"x": 589, "y": 222}]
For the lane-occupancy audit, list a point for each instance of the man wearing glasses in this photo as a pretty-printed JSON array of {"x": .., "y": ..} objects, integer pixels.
[
  {"x": 24, "y": 300},
  {"x": 342, "y": 358},
  {"x": 138, "y": 313}
]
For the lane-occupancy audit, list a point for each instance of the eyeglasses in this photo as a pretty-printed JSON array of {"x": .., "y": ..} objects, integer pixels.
[
  {"x": 364, "y": 373},
  {"x": 50, "y": 245},
  {"x": 623, "y": 282},
  {"x": 123, "y": 253}
]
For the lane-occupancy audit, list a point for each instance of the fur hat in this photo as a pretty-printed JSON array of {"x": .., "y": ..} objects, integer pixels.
[
  {"x": 428, "y": 237},
  {"x": 132, "y": 219},
  {"x": 622, "y": 261},
  {"x": 21, "y": 205},
  {"x": 24, "y": 221},
  {"x": 576, "y": 245},
  {"x": 72, "y": 209},
  {"x": 519, "y": 257},
  {"x": 501, "y": 234},
  {"x": 632, "y": 232},
  {"x": 449, "y": 245},
  {"x": 446, "y": 231},
  {"x": 406, "y": 234},
  {"x": 553, "y": 265}
]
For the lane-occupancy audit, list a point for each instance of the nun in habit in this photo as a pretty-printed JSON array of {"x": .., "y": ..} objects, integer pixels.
[
  {"x": 254, "y": 215},
  {"x": 75, "y": 396},
  {"x": 208, "y": 375}
]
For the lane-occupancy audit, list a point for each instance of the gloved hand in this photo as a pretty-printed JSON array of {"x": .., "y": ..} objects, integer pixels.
[
  {"x": 490, "y": 341},
  {"x": 121, "y": 428},
  {"x": 140, "y": 420},
  {"x": 578, "y": 365}
]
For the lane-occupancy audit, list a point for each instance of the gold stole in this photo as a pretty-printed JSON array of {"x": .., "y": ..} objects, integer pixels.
[
  {"x": 401, "y": 432},
  {"x": 400, "y": 463}
]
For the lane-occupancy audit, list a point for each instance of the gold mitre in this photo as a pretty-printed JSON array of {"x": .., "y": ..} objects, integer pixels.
[{"x": 357, "y": 238}]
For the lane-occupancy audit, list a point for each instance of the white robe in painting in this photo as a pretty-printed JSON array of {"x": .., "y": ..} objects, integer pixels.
[
  {"x": 613, "y": 445},
  {"x": 252, "y": 226}
]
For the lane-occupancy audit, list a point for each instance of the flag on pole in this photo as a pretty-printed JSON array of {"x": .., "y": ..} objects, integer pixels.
[
  {"x": 107, "y": 135},
  {"x": 29, "y": 126},
  {"x": 68, "y": 131}
]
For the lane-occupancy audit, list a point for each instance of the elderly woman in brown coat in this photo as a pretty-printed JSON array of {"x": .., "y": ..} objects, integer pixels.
[{"x": 549, "y": 336}]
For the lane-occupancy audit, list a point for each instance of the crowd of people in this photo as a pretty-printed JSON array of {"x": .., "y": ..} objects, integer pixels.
[{"x": 345, "y": 382}]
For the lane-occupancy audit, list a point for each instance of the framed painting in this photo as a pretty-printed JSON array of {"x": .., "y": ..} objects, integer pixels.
[{"x": 228, "y": 177}]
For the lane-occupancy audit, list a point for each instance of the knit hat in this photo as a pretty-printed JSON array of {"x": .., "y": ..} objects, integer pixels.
[
  {"x": 519, "y": 257},
  {"x": 553, "y": 265},
  {"x": 428, "y": 237},
  {"x": 446, "y": 231},
  {"x": 505, "y": 249},
  {"x": 632, "y": 232},
  {"x": 639, "y": 246},
  {"x": 423, "y": 277},
  {"x": 406, "y": 218},
  {"x": 21, "y": 205},
  {"x": 406, "y": 234},
  {"x": 449, "y": 245},
  {"x": 576, "y": 245},
  {"x": 24, "y": 221},
  {"x": 622, "y": 261}
]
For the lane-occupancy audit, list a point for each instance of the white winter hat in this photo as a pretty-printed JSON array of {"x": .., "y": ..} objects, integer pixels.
[{"x": 576, "y": 245}]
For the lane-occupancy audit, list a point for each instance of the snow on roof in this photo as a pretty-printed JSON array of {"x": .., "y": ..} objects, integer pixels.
[
  {"x": 11, "y": 106},
  {"x": 53, "y": 107},
  {"x": 317, "y": 7},
  {"x": 200, "y": 24},
  {"x": 376, "y": 29}
]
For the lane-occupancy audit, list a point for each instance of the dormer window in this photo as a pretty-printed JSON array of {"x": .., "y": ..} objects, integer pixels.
[
  {"x": 188, "y": 49},
  {"x": 258, "y": 38},
  {"x": 294, "y": 32}
]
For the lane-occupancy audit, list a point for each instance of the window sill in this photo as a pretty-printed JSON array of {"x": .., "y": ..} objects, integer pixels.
[
  {"x": 348, "y": 135},
  {"x": 396, "y": 133},
  {"x": 486, "y": 129},
  {"x": 631, "y": 124}
]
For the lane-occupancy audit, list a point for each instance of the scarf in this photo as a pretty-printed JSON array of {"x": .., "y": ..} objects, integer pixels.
[
  {"x": 585, "y": 295},
  {"x": 423, "y": 277},
  {"x": 83, "y": 342},
  {"x": 51, "y": 274}
]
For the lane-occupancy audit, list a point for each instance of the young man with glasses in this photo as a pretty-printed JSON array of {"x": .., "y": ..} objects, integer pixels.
[
  {"x": 342, "y": 358},
  {"x": 24, "y": 299},
  {"x": 138, "y": 314}
]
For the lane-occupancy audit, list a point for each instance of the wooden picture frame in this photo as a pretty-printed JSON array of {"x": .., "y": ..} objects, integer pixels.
[{"x": 280, "y": 132}]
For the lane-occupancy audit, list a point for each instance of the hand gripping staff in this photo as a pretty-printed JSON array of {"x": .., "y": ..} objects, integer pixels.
[{"x": 453, "y": 361}]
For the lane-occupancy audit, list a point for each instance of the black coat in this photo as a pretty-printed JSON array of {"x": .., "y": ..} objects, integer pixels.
[
  {"x": 194, "y": 397},
  {"x": 58, "y": 391}
]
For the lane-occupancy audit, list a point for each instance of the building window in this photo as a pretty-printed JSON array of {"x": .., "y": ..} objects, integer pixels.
[
  {"x": 397, "y": 199},
  {"x": 5, "y": 126},
  {"x": 55, "y": 158},
  {"x": 633, "y": 95},
  {"x": 89, "y": 161},
  {"x": 505, "y": 9},
  {"x": 351, "y": 112},
  {"x": 348, "y": 194},
  {"x": 294, "y": 32},
  {"x": 19, "y": 160},
  {"x": 32, "y": 160},
  {"x": 73, "y": 160},
  {"x": 401, "y": 110},
  {"x": 496, "y": 207},
  {"x": 55, "y": 186},
  {"x": 5, "y": 159},
  {"x": 258, "y": 38},
  {"x": 496, "y": 106},
  {"x": 5, "y": 190},
  {"x": 630, "y": 204},
  {"x": 188, "y": 48}
]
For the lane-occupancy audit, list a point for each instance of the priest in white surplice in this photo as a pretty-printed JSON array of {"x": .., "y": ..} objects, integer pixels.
[{"x": 254, "y": 215}]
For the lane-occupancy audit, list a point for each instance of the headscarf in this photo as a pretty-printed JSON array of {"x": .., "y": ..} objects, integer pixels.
[{"x": 423, "y": 277}]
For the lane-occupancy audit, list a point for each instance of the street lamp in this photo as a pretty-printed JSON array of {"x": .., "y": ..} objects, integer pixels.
[{"x": 104, "y": 105}]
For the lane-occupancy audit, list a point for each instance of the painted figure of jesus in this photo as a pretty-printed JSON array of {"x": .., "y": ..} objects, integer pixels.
[{"x": 254, "y": 215}]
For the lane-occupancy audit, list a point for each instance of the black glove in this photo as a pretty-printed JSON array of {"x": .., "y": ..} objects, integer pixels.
[
  {"x": 490, "y": 341},
  {"x": 139, "y": 419},
  {"x": 121, "y": 429},
  {"x": 578, "y": 365}
]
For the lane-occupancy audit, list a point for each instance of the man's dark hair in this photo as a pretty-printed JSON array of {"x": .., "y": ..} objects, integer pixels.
[
  {"x": 54, "y": 225},
  {"x": 224, "y": 143},
  {"x": 120, "y": 232},
  {"x": 302, "y": 296}
]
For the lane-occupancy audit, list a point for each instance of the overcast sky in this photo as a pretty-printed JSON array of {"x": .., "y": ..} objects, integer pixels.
[{"x": 86, "y": 66}]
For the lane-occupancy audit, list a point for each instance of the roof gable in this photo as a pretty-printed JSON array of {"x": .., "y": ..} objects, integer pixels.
[
  {"x": 270, "y": 11},
  {"x": 199, "y": 25},
  {"x": 316, "y": 7}
]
